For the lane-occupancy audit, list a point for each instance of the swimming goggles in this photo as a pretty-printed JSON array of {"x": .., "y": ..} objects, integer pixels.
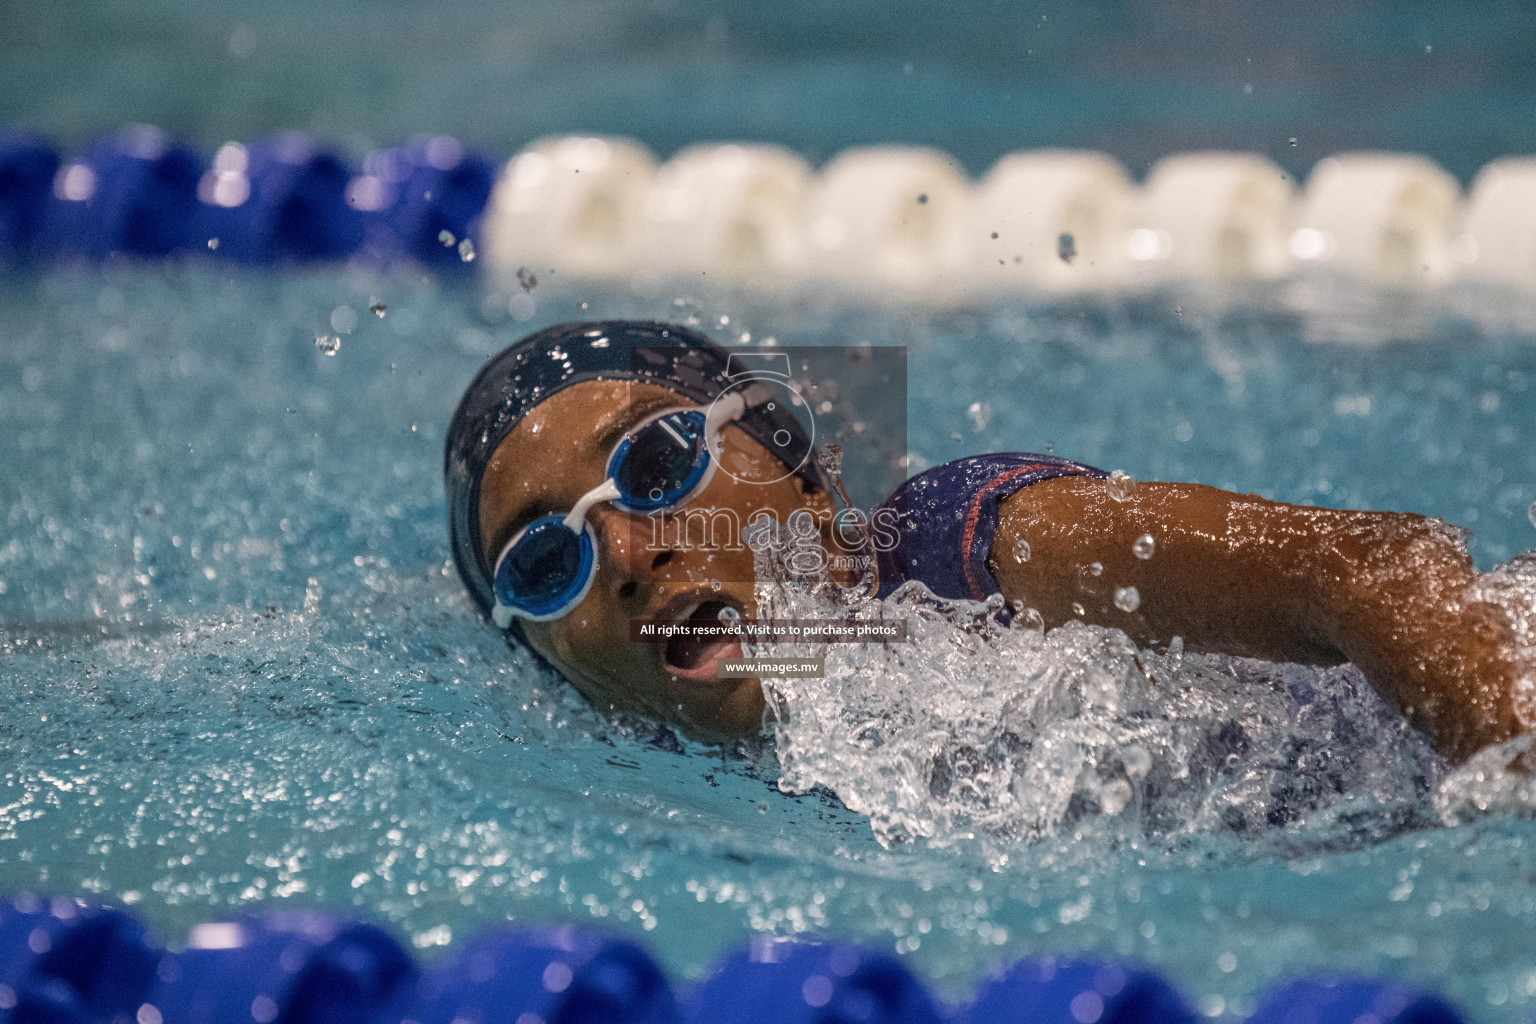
[{"x": 662, "y": 463}]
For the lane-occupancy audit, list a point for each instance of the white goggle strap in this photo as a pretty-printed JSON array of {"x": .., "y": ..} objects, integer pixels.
[
  {"x": 608, "y": 490},
  {"x": 729, "y": 409},
  {"x": 502, "y": 616}
]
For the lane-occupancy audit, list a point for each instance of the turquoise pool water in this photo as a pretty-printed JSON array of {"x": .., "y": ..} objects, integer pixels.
[
  {"x": 236, "y": 668},
  {"x": 1139, "y": 79}
]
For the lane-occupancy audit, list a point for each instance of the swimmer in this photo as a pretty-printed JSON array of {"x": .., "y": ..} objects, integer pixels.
[{"x": 563, "y": 443}]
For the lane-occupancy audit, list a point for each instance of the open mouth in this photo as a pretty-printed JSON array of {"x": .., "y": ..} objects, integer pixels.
[{"x": 693, "y": 658}]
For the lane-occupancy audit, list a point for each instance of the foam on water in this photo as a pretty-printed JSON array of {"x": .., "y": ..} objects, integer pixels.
[
  {"x": 974, "y": 731},
  {"x": 1512, "y": 587}
]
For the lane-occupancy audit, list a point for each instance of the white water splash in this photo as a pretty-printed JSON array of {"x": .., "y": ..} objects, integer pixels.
[
  {"x": 1494, "y": 781},
  {"x": 1501, "y": 779},
  {"x": 1512, "y": 587},
  {"x": 974, "y": 731}
]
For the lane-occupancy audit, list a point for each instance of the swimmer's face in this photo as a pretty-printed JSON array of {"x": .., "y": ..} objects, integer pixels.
[{"x": 559, "y": 452}]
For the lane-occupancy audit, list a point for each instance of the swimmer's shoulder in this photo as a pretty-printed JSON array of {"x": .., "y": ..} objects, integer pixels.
[{"x": 946, "y": 516}]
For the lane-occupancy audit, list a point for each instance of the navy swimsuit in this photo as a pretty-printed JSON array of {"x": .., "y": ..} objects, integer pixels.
[{"x": 948, "y": 514}]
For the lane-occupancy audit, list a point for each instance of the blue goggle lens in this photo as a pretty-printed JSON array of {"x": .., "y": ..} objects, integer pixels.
[
  {"x": 545, "y": 568},
  {"x": 658, "y": 465}
]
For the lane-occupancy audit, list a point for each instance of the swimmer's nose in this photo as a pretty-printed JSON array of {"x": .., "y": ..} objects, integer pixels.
[
  {"x": 637, "y": 552},
  {"x": 633, "y": 549}
]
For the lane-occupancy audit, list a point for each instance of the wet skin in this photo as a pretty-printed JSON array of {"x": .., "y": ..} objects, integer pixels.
[
  {"x": 1230, "y": 573},
  {"x": 1236, "y": 574}
]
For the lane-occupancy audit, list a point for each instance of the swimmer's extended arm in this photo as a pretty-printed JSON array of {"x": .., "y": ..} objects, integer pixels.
[{"x": 1240, "y": 575}]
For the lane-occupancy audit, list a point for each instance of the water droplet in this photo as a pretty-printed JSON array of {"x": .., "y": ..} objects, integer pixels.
[
  {"x": 213, "y": 243},
  {"x": 1078, "y": 609},
  {"x": 1137, "y": 761},
  {"x": 1121, "y": 486},
  {"x": 1144, "y": 546},
  {"x": 377, "y": 308},
  {"x": 1021, "y": 551},
  {"x": 522, "y": 306},
  {"x": 1530, "y": 513},
  {"x": 714, "y": 585},
  {"x": 1127, "y": 599},
  {"x": 343, "y": 320},
  {"x": 446, "y": 237},
  {"x": 656, "y": 494},
  {"x": 1095, "y": 568},
  {"x": 1032, "y": 618},
  {"x": 729, "y": 615},
  {"x": 980, "y": 414},
  {"x": 467, "y": 251},
  {"x": 327, "y": 343},
  {"x": 1292, "y": 140},
  {"x": 1113, "y": 797}
]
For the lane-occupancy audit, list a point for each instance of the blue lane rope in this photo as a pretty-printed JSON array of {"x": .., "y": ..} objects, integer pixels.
[
  {"x": 134, "y": 192},
  {"x": 796, "y": 984},
  {"x": 430, "y": 196},
  {"x": 279, "y": 200},
  {"x": 65, "y": 962},
  {"x": 27, "y": 169},
  {"x": 553, "y": 975},
  {"x": 1352, "y": 999},
  {"x": 1079, "y": 992},
  {"x": 294, "y": 968},
  {"x": 68, "y": 962}
]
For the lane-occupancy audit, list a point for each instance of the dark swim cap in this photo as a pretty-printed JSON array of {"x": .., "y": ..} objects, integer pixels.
[{"x": 529, "y": 371}]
